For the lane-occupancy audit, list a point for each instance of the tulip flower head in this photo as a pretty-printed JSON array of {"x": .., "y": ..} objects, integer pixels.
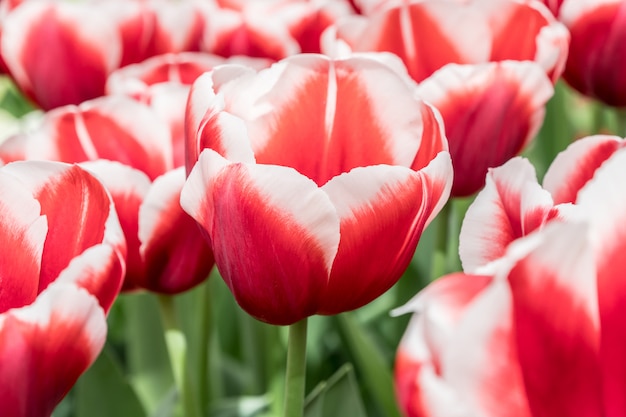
[
  {"x": 311, "y": 186},
  {"x": 62, "y": 267},
  {"x": 534, "y": 325}
]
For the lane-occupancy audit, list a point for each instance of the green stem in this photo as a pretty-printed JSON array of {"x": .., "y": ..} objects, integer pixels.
[
  {"x": 439, "y": 264},
  {"x": 296, "y": 370},
  {"x": 177, "y": 349}
]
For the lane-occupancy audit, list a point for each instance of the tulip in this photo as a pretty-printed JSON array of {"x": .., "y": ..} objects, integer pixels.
[
  {"x": 491, "y": 112},
  {"x": 538, "y": 332},
  {"x": 59, "y": 53},
  {"x": 163, "y": 83},
  {"x": 513, "y": 204},
  {"x": 429, "y": 34},
  {"x": 596, "y": 50},
  {"x": 312, "y": 187},
  {"x": 62, "y": 269},
  {"x": 130, "y": 150},
  {"x": 156, "y": 27}
]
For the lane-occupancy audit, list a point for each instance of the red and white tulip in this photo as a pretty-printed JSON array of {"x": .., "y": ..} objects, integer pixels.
[
  {"x": 63, "y": 266},
  {"x": 312, "y": 188}
]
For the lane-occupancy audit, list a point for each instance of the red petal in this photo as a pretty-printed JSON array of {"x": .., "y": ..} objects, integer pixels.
[
  {"x": 273, "y": 232},
  {"x": 45, "y": 347},
  {"x": 128, "y": 188},
  {"x": 176, "y": 254},
  {"x": 60, "y": 53},
  {"x": 557, "y": 324},
  {"x": 337, "y": 103},
  {"x": 598, "y": 33},
  {"x": 575, "y": 166},
  {"x": 383, "y": 211},
  {"x": 604, "y": 200},
  {"x": 511, "y": 205},
  {"x": 79, "y": 211},
  {"x": 22, "y": 233}
]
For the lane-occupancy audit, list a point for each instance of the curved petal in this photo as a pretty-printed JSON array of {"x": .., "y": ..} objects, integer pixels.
[
  {"x": 274, "y": 234},
  {"x": 176, "y": 254},
  {"x": 511, "y": 205},
  {"x": 557, "y": 326},
  {"x": 22, "y": 233},
  {"x": 207, "y": 125},
  {"x": 604, "y": 200},
  {"x": 491, "y": 112},
  {"x": 79, "y": 211},
  {"x": 426, "y": 35},
  {"x": 420, "y": 386},
  {"x": 576, "y": 165},
  {"x": 308, "y": 100},
  {"x": 598, "y": 34},
  {"x": 70, "y": 41},
  {"x": 383, "y": 211},
  {"x": 45, "y": 346},
  {"x": 128, "y": 188}
]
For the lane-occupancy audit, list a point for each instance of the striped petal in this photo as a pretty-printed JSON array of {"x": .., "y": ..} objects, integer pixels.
[
  {"x": 557, "y": 326},
  {"x": 45, "y": 346},
  {"x": 491, "y": 112},
  {"x": 511, "y": 205},
  {"x": 604, "y": 200},
  {"x": 575, "y": 166},
  {"x": 598, "y": 35},
  {"x": 306, "y": 100},
  {"x": 80, "y": 215},
  {"x": 274, "y": 234},
  {"x": 383, "y": 211},
  {"x": 68, "y": 40},
  {"x": 22, "y": 233},
  {"x": 128, "y": 188},
  {"x": 176, "y": 254}
]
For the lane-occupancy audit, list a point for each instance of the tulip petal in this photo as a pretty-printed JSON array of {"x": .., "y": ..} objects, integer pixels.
[
  {"x": 59, "y": 52},
  {"x": 491, "y": 112},
  {"x": 439, "y": 308},
  {"x": 22, "y": 233},
  {"x": 575, "y": 166},
  {"x": 383, "y": 211},
  {"x": 511, "y": 205},
  {"x": 557, "y": 325},
  {"x": 176, "y": 254},
  {"x": 309, "y": 99},
  {"x": 44, "y": 348},
  {"x": 605, "y": 202},
  {"x": 128, "y": 188},
  {"x": 274, "y": 234},
  {"x": 86, "y": 217}
]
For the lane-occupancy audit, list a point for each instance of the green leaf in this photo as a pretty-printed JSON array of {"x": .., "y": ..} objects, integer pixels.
[
  {"x": 146, "y": 354},
  {"x": 338, "y": 396},
  {"x": 372, "y": 366},
  {"x": 240, "y": 407},
  {"x": 103, "y": 391}
]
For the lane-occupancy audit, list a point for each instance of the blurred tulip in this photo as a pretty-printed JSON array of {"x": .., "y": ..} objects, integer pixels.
[
  {"x": 166, "y": 252},
  {"x": 596, "y": 56},
  {"x": 491, "y": 112},
  {"x": 155, "y": 27},
  {"x": 313, "y": 189},
  {"x": 513, "y": 204},
  {"x": 61, "y": 52},
  {"x": 62, "y": 269},
  {"x": 114, "y": 128},
  {"x": 540, "y": 332},
  {"x": 429, "y": 34},
  {"x": 163, "y": 83}
]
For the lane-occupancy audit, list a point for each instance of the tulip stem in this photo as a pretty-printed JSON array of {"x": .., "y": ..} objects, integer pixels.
[
  {"x": 176, "y": 344},
  {"x": 296, "y": 370}
]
